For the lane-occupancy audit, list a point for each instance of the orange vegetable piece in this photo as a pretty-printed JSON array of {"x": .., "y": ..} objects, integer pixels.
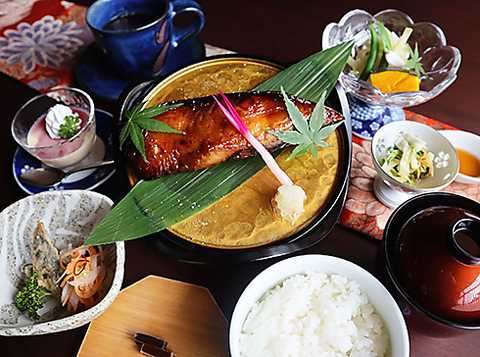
[{"x": 391, "y": 81}]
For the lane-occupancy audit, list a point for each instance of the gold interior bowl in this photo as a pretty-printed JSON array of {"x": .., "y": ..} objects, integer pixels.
[{"x": 242, "y": 225}]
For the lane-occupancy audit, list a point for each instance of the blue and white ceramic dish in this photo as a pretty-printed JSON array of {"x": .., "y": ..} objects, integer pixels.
[
  {"x": 367, "y": 119},
  {"x": 88, "y": 180},
  {"x": 100, "y": 80}
]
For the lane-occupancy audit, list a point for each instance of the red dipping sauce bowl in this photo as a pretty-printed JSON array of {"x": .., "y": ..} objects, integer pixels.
[{"x": 430, "y": 255}]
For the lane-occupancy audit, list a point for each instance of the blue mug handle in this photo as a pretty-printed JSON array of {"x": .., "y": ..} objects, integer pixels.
[{"x": 180, "y": 7}]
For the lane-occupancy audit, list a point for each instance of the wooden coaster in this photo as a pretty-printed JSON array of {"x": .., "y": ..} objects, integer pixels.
[{"x": 184, "y": 315}]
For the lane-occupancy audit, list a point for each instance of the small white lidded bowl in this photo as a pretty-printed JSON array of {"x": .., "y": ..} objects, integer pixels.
[
  {"x": 377, "y": 295},
  {"x": 468, "y": 142},
  {"x": 68, "y": 217}
]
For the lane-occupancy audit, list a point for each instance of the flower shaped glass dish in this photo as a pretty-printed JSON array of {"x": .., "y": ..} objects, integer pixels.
[
  {"x": 440, "y": 61},
  {"x": 392, "y": 192}
]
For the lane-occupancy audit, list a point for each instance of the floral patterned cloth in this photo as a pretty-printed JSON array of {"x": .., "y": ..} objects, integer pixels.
[
  {"x": 363, "y": 212},
  {"x": 40, "y": 41}
]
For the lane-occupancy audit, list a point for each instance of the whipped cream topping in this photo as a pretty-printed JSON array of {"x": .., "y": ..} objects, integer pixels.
[{"x": 56, "y": 117}]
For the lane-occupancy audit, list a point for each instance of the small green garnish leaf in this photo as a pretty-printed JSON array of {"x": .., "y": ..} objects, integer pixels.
[
  {"x": 70, "y": 127},
  {"x": 139, "y": 119},
  {"x": 414, "y": 63},
  {"x": 309, "y": 133}
]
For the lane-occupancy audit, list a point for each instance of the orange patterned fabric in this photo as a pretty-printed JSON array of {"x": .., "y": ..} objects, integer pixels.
[
  {"x": 40, "y": 41},
  {"x": 362, "y": 211}
]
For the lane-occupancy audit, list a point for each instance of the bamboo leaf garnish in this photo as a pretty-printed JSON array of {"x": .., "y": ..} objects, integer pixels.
[
  {"x": 310, "y": 133},
  {"x": 139, "y": 119}
]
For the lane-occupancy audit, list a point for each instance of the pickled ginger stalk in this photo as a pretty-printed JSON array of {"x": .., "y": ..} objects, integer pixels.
[{"x": 289, "y": 197}]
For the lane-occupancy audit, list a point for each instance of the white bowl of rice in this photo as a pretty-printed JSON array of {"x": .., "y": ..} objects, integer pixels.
[{"x": 317, "y": 305}]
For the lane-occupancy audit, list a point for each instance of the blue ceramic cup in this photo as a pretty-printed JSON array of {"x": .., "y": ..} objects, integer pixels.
[{"x": 136, "y": 35}]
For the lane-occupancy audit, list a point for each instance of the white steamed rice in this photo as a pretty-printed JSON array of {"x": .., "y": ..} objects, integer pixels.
[{"x": 314, "y": 314}]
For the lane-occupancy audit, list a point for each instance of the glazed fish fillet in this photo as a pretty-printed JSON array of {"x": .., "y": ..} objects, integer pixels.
[{"x": 209, "y": 138}]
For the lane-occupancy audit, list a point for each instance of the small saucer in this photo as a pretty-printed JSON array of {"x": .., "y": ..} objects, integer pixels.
[
  {"x": 95, "y": 75},
  {"x": 86, "y": 180}
]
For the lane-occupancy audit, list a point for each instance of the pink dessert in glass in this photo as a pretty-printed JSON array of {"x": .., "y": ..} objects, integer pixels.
[
  {"x": 47, "y": 127},
  {"x": 40, "y": 127},
  {"x": 62, "y": 152}
]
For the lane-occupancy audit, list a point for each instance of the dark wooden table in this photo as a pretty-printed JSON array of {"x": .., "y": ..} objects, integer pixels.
[{"x": 284, "y": 31}]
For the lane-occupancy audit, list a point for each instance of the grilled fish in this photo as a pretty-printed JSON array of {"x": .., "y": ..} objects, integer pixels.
[
  {"x": 46, "y": 260},
  {"x": 209, "y": 139}
]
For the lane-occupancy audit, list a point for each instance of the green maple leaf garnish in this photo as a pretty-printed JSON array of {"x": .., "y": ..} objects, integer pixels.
[
  {"x": 414, "y": 63},
  {"x": 139, "y": 119},
  {"x": 70, "y": 127},
  {"x": 309, "y": 133}
]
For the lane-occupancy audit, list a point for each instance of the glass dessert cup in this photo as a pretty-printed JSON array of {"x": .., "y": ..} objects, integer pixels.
[{"x": 65, "y": 153}]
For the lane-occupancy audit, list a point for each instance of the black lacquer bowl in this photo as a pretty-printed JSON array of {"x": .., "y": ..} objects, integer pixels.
[
  {"x": 430, "y": 260},
  {"x": 313, "y": 232}
]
